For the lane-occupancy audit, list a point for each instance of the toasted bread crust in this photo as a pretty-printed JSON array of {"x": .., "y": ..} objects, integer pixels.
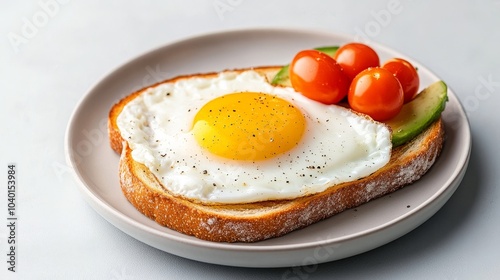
[{"x": 252, "y": 222}]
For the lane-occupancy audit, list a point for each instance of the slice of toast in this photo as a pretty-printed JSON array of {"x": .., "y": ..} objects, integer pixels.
[{"x": 256, "y": 221}]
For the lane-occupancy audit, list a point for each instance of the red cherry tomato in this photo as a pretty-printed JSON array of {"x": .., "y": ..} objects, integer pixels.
[
  {"x": 406, "y": 74},
  {"x": 356, "y": 57},
  {"x": 377, "y": 93},
  {"x": 318, "y": 77}
]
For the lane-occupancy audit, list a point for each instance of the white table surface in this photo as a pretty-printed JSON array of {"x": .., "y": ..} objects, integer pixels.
[{"x": 47, "y": 69}]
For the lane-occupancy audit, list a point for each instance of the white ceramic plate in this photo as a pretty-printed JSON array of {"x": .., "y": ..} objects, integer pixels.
[{"x": 347, "y": 234}]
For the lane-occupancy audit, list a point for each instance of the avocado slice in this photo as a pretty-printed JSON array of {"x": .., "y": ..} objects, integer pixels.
[
  {"x": 419, "y": 113},
  {"x": 330, "y": 50},
  {"x": 282, "y": 78}
]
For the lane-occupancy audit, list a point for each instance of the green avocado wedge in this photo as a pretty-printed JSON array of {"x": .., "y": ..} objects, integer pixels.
[
  {"x": 419, "y": 113},
  {"x": 330, "y": 50},
  {"x": 282, "y": 78}
]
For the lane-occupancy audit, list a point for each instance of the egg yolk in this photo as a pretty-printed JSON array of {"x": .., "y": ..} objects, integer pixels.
[{"x": 248, "y": 126}]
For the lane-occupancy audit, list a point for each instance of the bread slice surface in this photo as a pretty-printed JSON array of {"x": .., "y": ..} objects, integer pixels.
[{"x": 257, "y": 221}]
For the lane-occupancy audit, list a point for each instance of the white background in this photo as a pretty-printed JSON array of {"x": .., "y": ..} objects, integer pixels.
[{"x": 51, "y": 54}]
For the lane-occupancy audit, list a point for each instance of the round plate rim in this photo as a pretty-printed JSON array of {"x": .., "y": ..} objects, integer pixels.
[{"x": 101, "y": 205}]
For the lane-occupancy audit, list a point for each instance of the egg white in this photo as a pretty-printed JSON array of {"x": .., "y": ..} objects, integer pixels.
[{"x": 337, "y": 146}]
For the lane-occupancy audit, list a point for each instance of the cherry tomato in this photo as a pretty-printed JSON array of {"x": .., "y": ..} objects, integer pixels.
[
  {"x": 318, "y": 77},
  {"x": 356, "y": 57},
  {"x": 377, "y": 93},
  {"x": 406, "y": 74}
]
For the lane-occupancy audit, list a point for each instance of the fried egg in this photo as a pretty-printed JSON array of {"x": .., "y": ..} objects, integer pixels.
[{"x": 235, "y": 138}]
